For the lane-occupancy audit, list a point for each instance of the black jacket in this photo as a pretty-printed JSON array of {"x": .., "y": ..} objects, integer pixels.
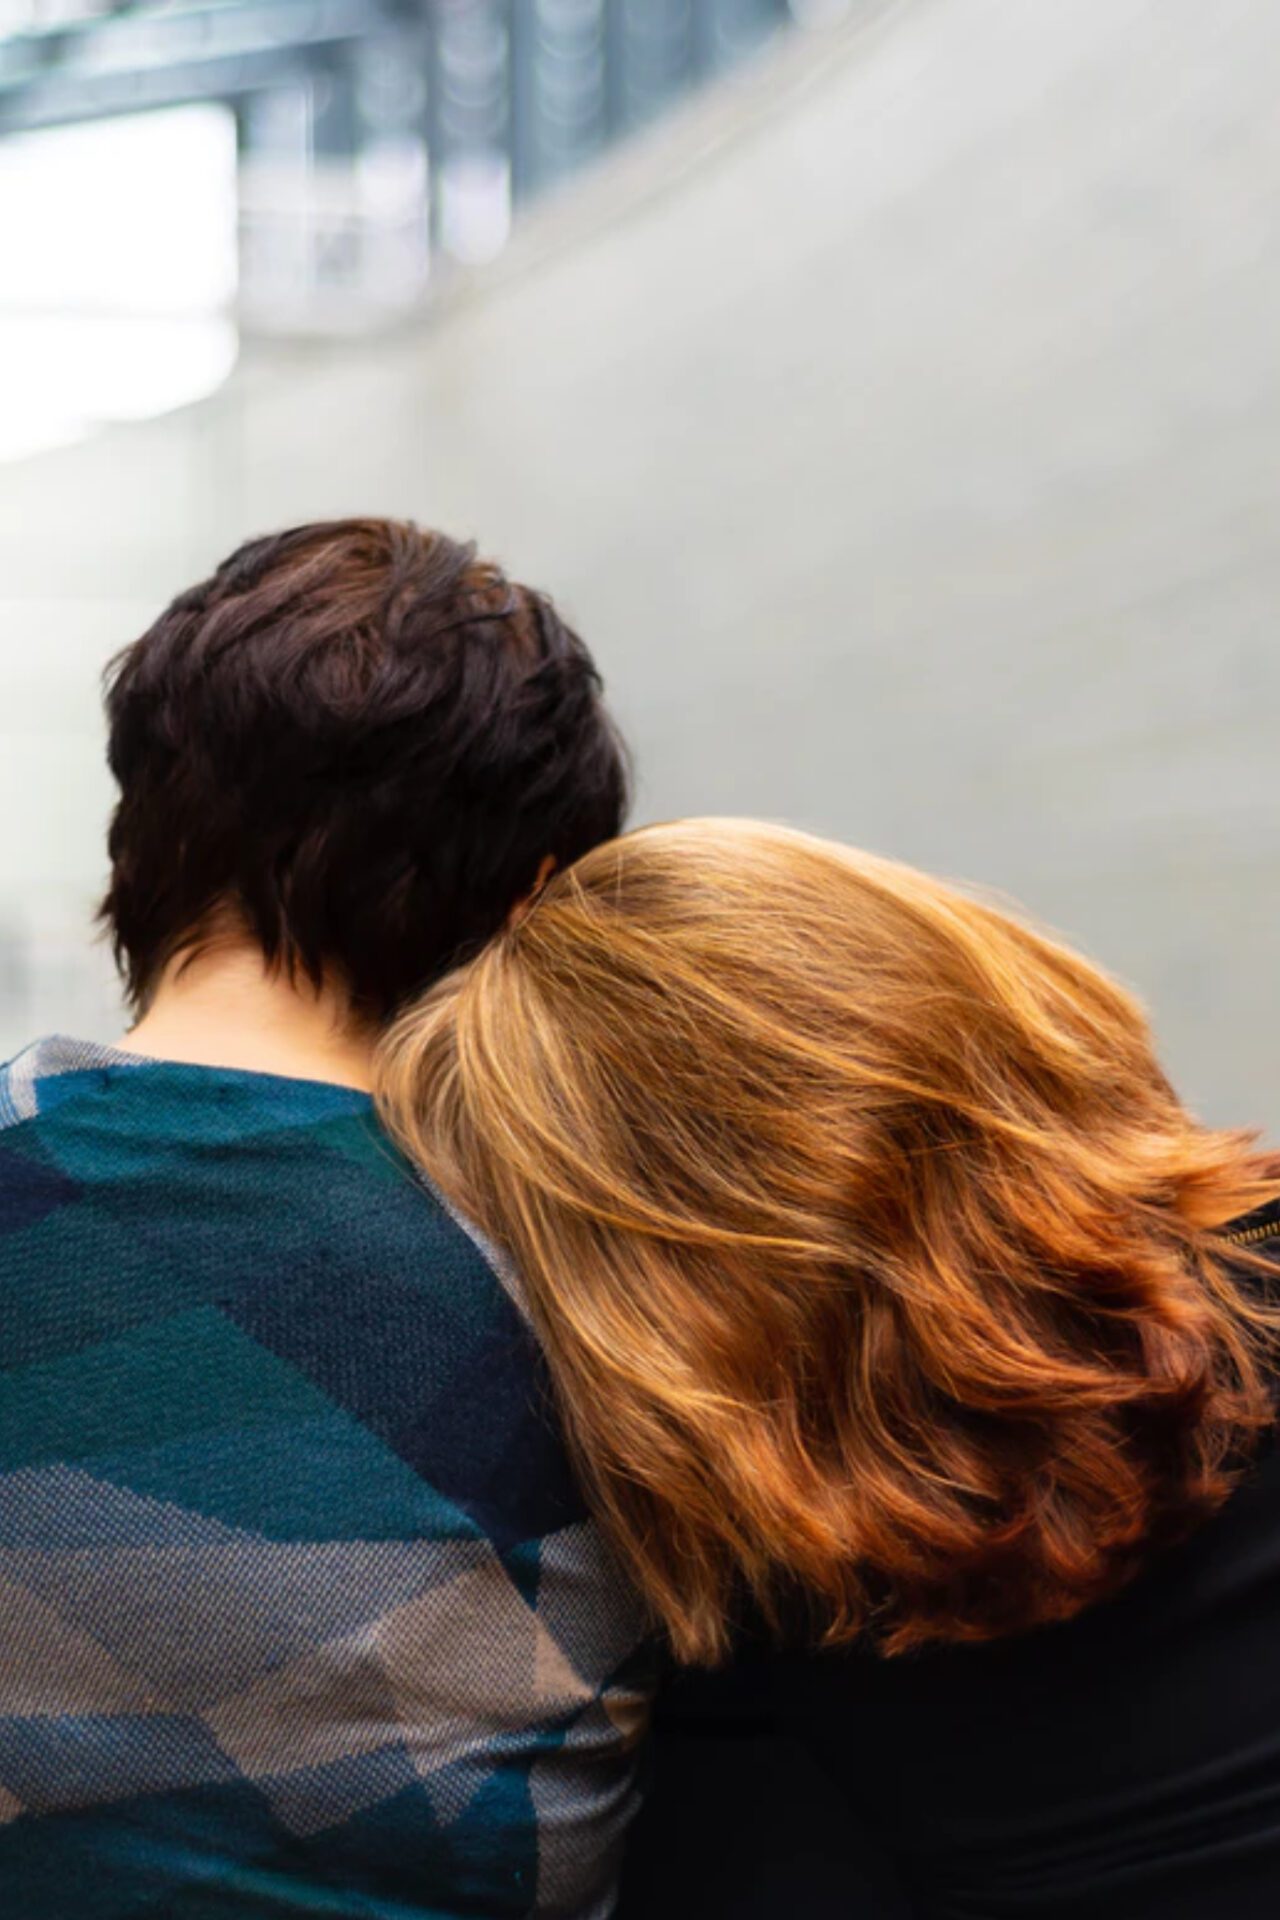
[{"x": 1124, "y": 1766}]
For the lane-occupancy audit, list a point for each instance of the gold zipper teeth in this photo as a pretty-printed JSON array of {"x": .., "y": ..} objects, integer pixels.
[{"x": 1246, "y": 1236}]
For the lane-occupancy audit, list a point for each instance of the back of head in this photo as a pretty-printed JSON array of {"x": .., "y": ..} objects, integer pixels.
[
  {"x": 874, "y": 1254},
  {"x": 357, "y": 743}
]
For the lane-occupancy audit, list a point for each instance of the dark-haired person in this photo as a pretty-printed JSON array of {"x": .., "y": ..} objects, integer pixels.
[
  {"x": 899, "y": 1306},
  {"x": 300, "y": 1612}
]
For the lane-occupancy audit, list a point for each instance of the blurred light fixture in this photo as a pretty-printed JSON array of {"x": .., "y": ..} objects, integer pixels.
[
  {"x": 119, "y": 246},
  {"x": 475, "y": 206}
]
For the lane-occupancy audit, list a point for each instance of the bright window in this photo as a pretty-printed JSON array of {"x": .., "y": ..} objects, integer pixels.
[{"x": 118, "y": 257}]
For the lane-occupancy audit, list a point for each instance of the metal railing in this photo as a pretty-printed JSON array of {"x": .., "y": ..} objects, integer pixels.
[{"x": 379, "y": 139}]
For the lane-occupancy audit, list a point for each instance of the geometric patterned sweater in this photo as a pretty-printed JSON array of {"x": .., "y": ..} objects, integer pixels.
[{"x": 300, "y": 1611}]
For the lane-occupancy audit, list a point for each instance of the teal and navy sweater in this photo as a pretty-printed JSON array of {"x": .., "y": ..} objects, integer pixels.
[{"x": 299, "y": 1610}]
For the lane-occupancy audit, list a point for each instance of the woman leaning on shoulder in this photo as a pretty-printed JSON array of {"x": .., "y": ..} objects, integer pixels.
[{"x": 894, "y": 1300}]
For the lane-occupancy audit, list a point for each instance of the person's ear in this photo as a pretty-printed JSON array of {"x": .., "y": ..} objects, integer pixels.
[{"x": 522, "y": 906}]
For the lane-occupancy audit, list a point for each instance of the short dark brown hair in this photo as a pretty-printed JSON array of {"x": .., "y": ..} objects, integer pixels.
[{"x": 360, "y": 739}]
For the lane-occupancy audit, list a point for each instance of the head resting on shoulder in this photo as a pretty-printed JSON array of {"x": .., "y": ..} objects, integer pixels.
[{"x": 873, "y": 1252}]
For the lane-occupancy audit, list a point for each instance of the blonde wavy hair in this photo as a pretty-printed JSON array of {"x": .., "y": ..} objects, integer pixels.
[{"x": 874, "y": 1257}]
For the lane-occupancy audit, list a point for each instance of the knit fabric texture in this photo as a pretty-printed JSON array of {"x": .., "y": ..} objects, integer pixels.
[{"x": 300, "y": 1611}]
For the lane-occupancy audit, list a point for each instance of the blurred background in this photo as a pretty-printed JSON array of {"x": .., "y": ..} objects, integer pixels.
[{"x": 890, "y": 393}]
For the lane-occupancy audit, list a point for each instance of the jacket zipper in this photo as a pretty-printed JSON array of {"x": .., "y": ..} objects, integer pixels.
[{"x": 1245, "y": 1236}]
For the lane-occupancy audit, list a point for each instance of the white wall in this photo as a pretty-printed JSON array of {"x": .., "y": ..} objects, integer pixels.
[{"x": 907, "y": 449}]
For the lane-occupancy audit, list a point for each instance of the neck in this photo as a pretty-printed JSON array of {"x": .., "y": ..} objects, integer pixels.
[{"x": 222, "y": 1008}]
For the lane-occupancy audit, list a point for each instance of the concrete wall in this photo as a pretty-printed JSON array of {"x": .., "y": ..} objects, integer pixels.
[{"x": 902, "y": 429}]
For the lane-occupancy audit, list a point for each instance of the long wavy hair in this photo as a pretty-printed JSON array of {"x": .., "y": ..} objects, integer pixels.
[{"x": 874, "y": 1256}]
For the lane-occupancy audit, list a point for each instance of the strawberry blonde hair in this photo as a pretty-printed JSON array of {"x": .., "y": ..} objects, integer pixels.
[{"x": 873, "y": 1254}]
